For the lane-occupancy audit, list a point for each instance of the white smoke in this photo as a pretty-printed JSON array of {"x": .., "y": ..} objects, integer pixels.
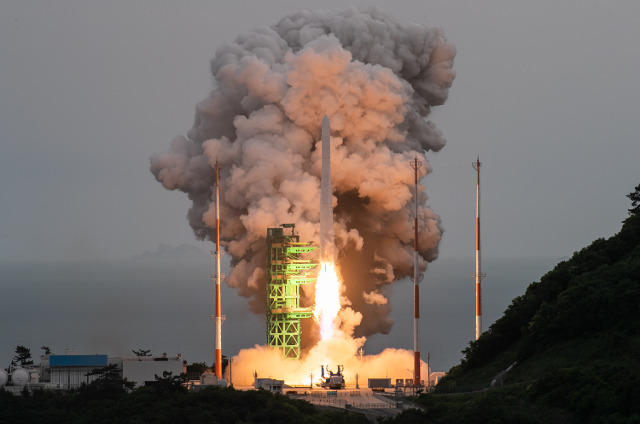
[
  {"x": 376, "y": 79},
  {"x": 341, "y": 349},
  {"x": 374, "y": 298}
]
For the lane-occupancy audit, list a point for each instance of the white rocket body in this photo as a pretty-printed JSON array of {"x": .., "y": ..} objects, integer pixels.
[{"x": 326, "y": 196}]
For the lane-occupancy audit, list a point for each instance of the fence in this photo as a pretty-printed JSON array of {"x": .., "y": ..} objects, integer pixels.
[{"x": 345, "y": 403}]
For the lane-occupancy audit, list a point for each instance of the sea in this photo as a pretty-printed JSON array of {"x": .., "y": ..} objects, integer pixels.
[{"x": 166, "y": 305}]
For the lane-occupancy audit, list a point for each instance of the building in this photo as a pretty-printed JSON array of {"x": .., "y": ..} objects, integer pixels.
[
  {"x": 269, "y": 384},
  {"x": 70, "y": 371},
  {"x": 143, "y": 369},
  {"x": 435, "y": 377}
]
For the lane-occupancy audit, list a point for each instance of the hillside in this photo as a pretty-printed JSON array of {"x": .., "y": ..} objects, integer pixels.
[{"x": 574, "y": 337}]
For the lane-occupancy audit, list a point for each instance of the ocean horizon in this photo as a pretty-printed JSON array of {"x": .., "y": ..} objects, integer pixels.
[{"x": 165, "y": 305}]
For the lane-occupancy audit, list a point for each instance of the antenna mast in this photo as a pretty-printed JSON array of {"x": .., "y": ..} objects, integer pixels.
[
  {"x": 478, "y": 275},
  {"x": 416, "y": 164}
]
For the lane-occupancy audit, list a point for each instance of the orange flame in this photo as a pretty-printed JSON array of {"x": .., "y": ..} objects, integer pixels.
[{"x": 327, "y": 302}]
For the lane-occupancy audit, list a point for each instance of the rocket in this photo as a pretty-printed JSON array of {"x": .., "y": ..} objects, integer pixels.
[{"x": 326, "y": 196}]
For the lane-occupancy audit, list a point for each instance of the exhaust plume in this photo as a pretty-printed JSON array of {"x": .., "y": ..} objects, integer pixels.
[
  {"x": 376, "y": 80},
  {"x": 340, "y": 349}
]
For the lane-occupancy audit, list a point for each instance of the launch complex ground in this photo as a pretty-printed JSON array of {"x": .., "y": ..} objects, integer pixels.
[
  {"x": 365, "y": 401},
  {"x": 372, "y": 403},
  {"x": 292, "y": 263}
]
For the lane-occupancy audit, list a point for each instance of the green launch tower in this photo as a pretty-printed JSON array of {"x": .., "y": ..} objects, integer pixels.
[{"x": 286, "y": 271}]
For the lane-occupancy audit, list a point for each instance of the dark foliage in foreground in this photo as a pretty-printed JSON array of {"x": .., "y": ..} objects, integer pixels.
[
  {"x": 575, "y": 335},
  {"x": 158, "y": 404},
  {"x": 597, "y": 290},
  {"x": 112, "y": 399}
]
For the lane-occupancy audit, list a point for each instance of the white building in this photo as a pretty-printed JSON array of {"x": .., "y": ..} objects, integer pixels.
[
  {"x": 140, "y": 369},
  {"x": 269, "y": 384},
  {"x": 436, "y": 377},
  {"x": 70, "y": 371}
]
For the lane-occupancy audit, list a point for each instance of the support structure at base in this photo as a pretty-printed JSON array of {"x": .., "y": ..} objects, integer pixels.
[{"x": 286, "y": 272}]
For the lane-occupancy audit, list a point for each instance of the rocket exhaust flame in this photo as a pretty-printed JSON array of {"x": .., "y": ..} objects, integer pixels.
[
  {"x": 327, "y": 300},
  {"x": 377, "y": 79}
]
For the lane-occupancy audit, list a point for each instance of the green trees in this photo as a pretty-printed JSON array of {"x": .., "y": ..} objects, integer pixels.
[
  {"x": 196, "y": 369},
  {"x": 23, "y": 357},
  {"x": 170, "y": 383},
  {"x": 156, "y": 405},
  {"x": 598, "y": 289},
  {"x": 575, "y": 335},
  {"x": 108, "y": 383},
  {"x": 635, "y": 201}
]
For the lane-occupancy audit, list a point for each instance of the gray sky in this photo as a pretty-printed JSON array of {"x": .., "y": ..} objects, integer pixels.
[{"x": 545, "y": 93}]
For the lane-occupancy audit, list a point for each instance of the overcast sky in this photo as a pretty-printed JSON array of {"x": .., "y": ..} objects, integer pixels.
[{"x": 545, "y": 93}]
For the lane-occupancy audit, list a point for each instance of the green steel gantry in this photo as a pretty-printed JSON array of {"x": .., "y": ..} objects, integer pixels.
[{"x": 286, "y": 271}]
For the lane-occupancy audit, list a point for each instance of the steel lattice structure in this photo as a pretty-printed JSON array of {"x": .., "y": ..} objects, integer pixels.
[{"x": 286, "y": 271}]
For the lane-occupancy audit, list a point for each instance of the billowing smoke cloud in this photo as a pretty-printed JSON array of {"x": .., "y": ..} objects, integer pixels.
[
  {"x": 339, "y": 350},
  {"x": 376, "y": 79}
]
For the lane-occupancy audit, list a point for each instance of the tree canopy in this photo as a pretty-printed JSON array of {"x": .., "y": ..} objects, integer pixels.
[
  {"x": 22, "y": 357},
  {"x": 635, "y": 201},
  {"x": 573, "y": 334}
]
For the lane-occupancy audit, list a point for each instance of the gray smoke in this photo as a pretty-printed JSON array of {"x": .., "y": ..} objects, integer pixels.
[{"x": 376, "y": 79}]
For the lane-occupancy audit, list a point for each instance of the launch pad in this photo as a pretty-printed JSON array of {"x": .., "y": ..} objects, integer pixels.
[{"x": 286, "y": 271}]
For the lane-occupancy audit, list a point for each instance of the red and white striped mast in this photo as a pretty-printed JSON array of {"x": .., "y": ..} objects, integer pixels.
[
  {"x": 218, "y": 315},
  {"x": 478, "y": 275},
  {"x": 416, "y": 164}
]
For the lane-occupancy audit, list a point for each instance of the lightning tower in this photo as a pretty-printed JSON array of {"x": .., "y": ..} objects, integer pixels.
[
  {"x": 218, "y": 316},
  {"x": 416, "y": 164},
  {"x": 478, "y": 275}
]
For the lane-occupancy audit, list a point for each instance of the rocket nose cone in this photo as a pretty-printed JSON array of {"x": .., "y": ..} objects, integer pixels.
[{"x": 326, "y": 129}]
